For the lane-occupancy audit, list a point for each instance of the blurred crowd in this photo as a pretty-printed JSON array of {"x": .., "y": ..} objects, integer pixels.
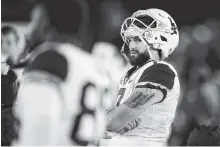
[
  {"x": 197, "y": 61},
  {"x": 197, "y": 58},
  {"x": 198, "y": 49}
]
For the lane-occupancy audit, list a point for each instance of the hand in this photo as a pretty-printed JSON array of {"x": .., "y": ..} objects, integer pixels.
[
  {"x": 107, "y": 136},
  {"x": 133, "y": 124},
  {"x": 109, "y": 109}
]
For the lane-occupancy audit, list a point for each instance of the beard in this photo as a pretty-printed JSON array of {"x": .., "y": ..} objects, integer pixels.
[{"x": 139, "y": 59}]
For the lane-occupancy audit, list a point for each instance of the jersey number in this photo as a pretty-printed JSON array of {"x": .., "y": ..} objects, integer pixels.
[{"x": 79, "y": 117}]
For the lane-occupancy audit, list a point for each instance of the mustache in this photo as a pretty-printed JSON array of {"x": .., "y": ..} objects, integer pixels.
[{"x": 133, "y": 50}]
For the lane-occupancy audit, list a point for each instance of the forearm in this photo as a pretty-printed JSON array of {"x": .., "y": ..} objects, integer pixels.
[
  {"x": 118, "y": 118},
  {"x": 132, "y": 108}
]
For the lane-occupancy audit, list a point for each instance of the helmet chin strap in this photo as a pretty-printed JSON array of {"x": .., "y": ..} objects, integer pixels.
[
  {"x": 124, "y": 54},
  {"x": 152, "y": 47}
]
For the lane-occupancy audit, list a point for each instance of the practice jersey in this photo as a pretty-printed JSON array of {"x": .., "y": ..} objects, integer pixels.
[
  {"x": 76, "y": 91},
  {"x": 156, "y": 120}
]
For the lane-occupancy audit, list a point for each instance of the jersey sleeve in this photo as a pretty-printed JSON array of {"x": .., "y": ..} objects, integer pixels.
[
  {"x": 159, "y": 76},
  {"x": 51, "y": 63}
]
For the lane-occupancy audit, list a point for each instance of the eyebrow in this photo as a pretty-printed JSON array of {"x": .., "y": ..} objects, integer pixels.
[{"x": 136, "y": 37}]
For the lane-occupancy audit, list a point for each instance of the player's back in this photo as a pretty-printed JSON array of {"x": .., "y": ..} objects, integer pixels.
[
  {"x": 78, "y": 86},
  {"x": 83, "y": 93}
]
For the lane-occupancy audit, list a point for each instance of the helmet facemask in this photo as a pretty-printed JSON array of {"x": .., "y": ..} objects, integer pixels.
[{"x": 145, "y": 27}]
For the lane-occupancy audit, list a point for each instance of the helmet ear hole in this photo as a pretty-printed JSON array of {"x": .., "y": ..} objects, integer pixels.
[
  {"x": 160, "y": 53},
  {"x": 163, "y": 38}
]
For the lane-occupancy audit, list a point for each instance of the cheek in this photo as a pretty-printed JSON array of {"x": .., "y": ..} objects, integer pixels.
[{"x": 142, "y": 48}]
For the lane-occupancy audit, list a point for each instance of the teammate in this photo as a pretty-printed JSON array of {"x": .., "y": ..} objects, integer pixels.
[
  {"x": 60, "y": 101},
  {"x": 149, "y": 91}
]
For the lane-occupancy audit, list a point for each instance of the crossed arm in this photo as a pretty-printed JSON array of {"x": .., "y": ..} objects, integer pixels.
[{"x": 132, "y": 108}]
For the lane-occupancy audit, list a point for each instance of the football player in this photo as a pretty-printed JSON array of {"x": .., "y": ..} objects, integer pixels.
[
  {"x": 60, "y": 100},
  {"x": 149, "y": 91}
]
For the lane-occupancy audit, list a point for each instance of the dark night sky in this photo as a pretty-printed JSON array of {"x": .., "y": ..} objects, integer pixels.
[{"x": 185, "y": 12}]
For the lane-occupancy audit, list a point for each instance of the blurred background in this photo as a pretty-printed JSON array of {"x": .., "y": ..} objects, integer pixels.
[
  {"x": 197, "y": 58},
  {"x": 198, "y": 22}
]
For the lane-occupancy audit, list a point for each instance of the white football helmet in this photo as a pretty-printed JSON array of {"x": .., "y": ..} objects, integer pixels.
[{"x": 154, "y": 27}]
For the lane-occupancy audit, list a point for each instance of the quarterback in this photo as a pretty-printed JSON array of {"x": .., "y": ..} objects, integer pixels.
[{"x": 149, "y": 91}]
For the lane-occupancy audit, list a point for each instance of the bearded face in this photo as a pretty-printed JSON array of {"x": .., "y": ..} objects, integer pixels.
[
  {"x": 138, "y": 52},
  {"x": 138, "y": 58}
]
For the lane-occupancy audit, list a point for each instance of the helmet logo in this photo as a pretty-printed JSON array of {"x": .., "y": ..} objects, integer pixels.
[
  {"x": 173, "y": 27},
  {"x": 161, "y": 25},
  {"x": 148, "y": 34}
]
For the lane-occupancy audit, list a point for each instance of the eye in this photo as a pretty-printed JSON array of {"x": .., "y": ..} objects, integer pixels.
[
  {"x": 137, "y": 39},
  {"x": 128, "y": 40}
]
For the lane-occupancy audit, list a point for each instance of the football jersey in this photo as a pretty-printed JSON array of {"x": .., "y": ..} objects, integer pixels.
[
  {"x": 156, "y": 120},
  {"x": 79, "y": 96}
]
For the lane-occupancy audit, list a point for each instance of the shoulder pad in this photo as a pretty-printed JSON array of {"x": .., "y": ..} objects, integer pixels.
[
  {"x": 159, "y": 73},
  {"x": 49, "y": 61}
]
